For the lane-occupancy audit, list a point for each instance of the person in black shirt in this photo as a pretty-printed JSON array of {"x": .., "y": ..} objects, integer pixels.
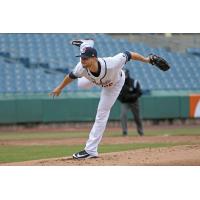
[{"x": 128, "y": 97}]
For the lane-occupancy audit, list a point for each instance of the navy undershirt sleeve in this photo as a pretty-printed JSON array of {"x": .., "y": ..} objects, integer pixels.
[
  {"x": 72, "y": 76},
  {"x": 128, "y": 55}
]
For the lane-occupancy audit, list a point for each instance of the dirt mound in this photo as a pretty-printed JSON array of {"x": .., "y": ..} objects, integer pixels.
[{"x": 170, "y": 156}]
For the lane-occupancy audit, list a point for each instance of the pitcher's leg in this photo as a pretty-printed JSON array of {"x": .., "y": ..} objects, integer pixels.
[
  {"x": 107, "y": 99},
  {"x": 87, "y": 43},
  {"x": 83, "y": 42},
  {"x": 97, "y": 131},
  {"x": 84, "y": 83}
]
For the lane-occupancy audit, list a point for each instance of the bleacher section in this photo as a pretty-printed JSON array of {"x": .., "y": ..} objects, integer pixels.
[{"x": 36, "y": 63}]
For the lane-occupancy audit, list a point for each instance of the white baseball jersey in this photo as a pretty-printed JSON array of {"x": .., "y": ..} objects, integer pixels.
[{"x": 110, "y": 71}]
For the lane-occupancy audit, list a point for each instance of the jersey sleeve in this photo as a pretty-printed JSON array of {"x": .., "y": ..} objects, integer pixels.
[
  {"x": 77, "y": 71},
  {"x": 121, "y": 59}
]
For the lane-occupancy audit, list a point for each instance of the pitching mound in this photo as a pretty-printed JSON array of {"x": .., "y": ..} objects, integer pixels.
[{"x": 177, "y": 155}]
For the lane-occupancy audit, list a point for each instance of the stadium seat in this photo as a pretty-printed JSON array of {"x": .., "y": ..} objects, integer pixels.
[{"x": 36, "y": 63}]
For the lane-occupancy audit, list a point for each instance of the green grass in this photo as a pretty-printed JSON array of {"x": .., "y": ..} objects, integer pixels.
[
  {"x": 63, "y": 135},
  {"x": 41, "y": 135},
  {"x": 25, "y": 153},
  {"x": 127, "y": 147},
  {"x": 175, "y": 131}
]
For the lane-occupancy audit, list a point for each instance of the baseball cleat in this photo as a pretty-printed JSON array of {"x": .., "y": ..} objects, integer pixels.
[
  {"x": 82, "y": 154},
  {"x": 88, "y": 42},
  {"x": 124, "y": 133},
  {"x": 76, "y": 42},
  {"x": 141, "y": 133}
]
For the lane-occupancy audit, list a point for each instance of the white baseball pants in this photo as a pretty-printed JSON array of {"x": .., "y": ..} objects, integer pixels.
[{"x": 107, "y": 99}]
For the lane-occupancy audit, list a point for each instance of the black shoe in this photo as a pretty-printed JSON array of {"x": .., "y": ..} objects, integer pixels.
[
  {"x": 82, "y": 154},
  {"x": 81, "y": 41},
  {"x": 141, "y": 134},
  {"x": 124, "y": 133},
  {"x": 76, "y": 42}
]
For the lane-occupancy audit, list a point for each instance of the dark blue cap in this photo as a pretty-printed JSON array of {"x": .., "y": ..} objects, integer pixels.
[{"x": 88, "y": 52}]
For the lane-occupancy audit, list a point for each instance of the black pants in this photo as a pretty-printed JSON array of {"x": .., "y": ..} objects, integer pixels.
[{"x": 134, "y": 107}]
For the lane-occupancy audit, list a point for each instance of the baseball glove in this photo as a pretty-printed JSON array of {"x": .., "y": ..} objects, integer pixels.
[{"x": 159, "y": 62}]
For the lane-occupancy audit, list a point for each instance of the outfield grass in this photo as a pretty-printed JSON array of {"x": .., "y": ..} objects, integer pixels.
[
  {"x": 61, "y": 135},
  {"x": 23, "y": 153}
]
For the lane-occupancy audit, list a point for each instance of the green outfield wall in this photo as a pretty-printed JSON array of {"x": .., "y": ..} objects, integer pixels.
[{"x": 42, "y": 109}]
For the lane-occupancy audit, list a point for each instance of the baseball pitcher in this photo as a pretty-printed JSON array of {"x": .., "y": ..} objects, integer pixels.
[{"x": 106, "y": 73}]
